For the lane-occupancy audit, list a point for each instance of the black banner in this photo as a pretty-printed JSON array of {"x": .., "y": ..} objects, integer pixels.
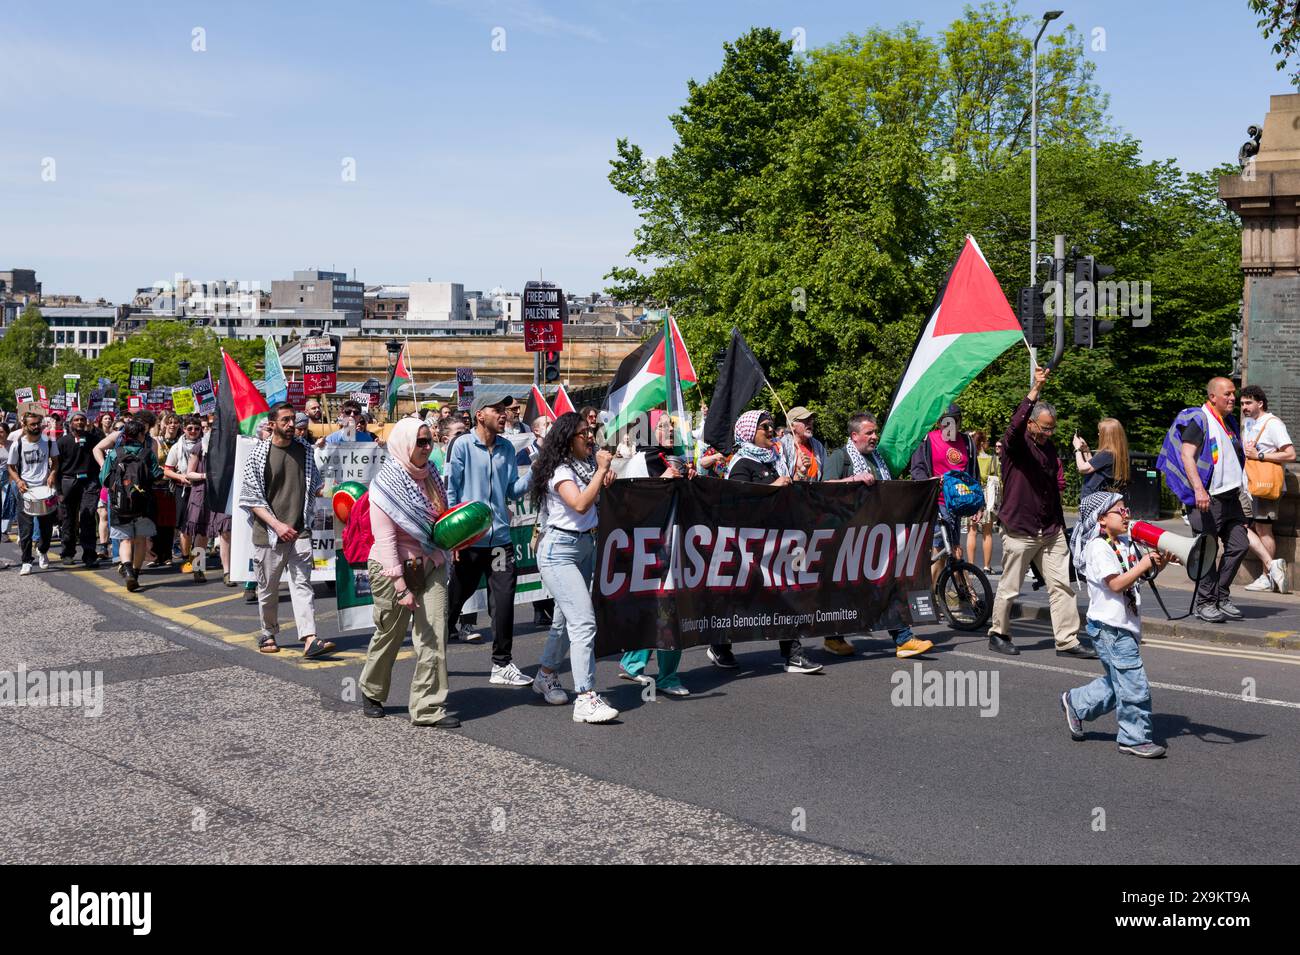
[{"x": 683, "y": 563}]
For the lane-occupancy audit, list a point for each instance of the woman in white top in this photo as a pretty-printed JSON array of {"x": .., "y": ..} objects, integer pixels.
[{"x": 564, "y": 491}]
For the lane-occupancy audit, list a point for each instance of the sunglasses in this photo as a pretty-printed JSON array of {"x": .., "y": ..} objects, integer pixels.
[
  {"x": 1121, "y": 511},
  {"x": 424, "y": 442},
  {"x": 766, "y": 426}
]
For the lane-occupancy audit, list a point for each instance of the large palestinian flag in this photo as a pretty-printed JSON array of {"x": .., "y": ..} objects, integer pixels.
[
  {"x": 970, "y": 325},
  {"x": 641, "y": 383},
  {"x": 240, "y": 409}
]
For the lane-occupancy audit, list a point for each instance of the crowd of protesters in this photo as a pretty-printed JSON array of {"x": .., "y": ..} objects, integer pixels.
[{"x": 136, "y": 485}]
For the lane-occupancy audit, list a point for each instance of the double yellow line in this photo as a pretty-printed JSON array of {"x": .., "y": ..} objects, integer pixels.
[{"x": 184, "y": 618}]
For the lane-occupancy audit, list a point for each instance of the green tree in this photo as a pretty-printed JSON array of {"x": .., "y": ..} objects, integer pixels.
[
  {"x": 27, "y": 343},
  {"x": 1280, "y": 18},
  {"x": 170, "y": 342}
]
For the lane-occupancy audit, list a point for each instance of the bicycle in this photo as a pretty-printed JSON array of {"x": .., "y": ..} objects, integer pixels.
[{"x": 962, "y": 593}]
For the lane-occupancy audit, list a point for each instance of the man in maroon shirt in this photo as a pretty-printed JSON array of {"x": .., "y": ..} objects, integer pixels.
[{"x": 1033, "y": 525}]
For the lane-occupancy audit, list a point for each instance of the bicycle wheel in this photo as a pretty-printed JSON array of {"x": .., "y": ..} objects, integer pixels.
[{"x": 963, "y": 595}]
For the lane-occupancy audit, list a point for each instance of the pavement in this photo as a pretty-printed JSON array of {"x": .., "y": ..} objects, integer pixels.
[{"x": 207, "y": 751}]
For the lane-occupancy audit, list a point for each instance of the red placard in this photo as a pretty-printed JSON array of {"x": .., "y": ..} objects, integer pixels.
[
  {"x": 133, "y": 403},
  {"x": 296, "y": 396},
  {"x": 543, "y": 336},
  {"x": 44, "y": 399},
  {"x": 319, "y": 366}
]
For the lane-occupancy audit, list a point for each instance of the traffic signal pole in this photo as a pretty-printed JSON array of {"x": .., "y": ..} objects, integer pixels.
[{"x": 1058, "y": 275}]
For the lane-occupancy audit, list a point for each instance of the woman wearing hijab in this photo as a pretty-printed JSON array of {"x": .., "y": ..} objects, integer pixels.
[
  {"x": 564, "y": 490},
  {"x": 758, "y": 461},
  {"x": 408, "y": 577}
]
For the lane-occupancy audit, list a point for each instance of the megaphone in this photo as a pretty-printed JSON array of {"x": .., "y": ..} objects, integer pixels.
[{"x": 1196, "y": 553}]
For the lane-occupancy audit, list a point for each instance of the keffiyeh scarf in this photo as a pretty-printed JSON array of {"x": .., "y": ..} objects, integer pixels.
[
  {"x": 408, "y": 502},
  {"x": 861, "y": 465}
]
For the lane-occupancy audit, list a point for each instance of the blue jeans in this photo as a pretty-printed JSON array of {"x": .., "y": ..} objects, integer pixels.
[
  {"x": 1124, "y": 685},
  {"x": 565, "y": 561},
  {"x": 901, "y": 635}
]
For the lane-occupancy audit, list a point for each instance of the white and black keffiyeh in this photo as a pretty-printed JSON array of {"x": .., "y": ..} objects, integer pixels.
[
  {"x": 860, "y": 464},
  {"x": 407, "y": 501}
]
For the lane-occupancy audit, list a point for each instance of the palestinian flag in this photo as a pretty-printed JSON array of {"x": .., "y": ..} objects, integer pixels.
[
  {"x": 640, "y": 385},
  {"x": 401, "y": 377},
  {"x": 970, "y": 325},
  {"x": 240, "y": 410},
  {"x": 537, "y": 407},
  {"x": 561, "y": 403}
]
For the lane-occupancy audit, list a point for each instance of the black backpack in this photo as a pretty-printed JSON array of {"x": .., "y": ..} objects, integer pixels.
[{"x": 130, "y": 486}]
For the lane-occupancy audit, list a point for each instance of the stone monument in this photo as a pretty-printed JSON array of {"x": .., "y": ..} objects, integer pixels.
[{"x": 1266, "y": 195}]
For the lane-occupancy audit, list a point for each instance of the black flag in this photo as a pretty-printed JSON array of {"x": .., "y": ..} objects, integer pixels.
[
  {"x": 220, "y": 459},
  {"x": 741, "y": 378}
]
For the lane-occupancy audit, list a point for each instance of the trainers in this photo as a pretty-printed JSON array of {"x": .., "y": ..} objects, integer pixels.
[
  {"x": 1277, "y": 572},
  {"x": 1263, "y": 582},
  {"x": 722, "y": 658},
  {"x": 839, "y": 646},
  {"x": 509, "y": 675},
  {"x": 27, "y": 569},
  {"x": 798, "y": 663},
  {"x": 187, "y": 566},
  {"x": 1209, "y": 613},
  {"x": 590, "y": 708},
  {"x": 467, "y": 634},
  {"x": 547, "y": 686},
  {"x": 1229, "y": 609},
  {"x": 1071, "y": 718},
  {"x": 635, "y": 677},
  {"x": 1145, "y": 750},
  {"x": 678, "y": 690},
  {"x": 42, "y": 561},
  {"x": 250, "y": 596},
  {"x": 913, "y": 647}
]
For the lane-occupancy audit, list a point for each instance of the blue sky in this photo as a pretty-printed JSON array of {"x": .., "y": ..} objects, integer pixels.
[{"x": 473, "y": 166}]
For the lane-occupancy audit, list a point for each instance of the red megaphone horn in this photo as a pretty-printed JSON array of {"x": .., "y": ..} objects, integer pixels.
[{"x": 1196, "y": 553}]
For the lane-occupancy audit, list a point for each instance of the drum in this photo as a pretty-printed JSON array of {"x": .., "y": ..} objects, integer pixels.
[
  {"x": 463, "y": 525},
  {"x": 40, "y": 501},
  {"x": 345, "y": 498}
]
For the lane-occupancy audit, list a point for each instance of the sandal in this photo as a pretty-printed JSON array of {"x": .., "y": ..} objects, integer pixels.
[
  {"x": 316, "y": 648},
  {"x": 268, "y": 645}
]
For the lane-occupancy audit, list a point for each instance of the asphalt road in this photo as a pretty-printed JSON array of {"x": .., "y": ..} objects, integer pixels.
[{"x": 268, "y": 755}]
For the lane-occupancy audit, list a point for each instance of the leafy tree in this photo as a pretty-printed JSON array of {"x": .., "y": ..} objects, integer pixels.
[
  {"x": 170, "y": 342},
  {"x": 27, "y": 343},
  {"x": 1280, "y": 18}
]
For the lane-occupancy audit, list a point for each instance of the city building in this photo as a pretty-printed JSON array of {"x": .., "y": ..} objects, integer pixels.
[
  {"x": 315, "y": 289},
  {"x": 87, "y": 329}
]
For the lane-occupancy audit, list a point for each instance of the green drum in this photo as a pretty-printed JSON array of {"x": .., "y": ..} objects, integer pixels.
[{"x": 463, "y": 525}]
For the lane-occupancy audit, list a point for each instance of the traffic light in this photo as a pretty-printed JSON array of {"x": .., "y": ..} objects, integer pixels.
[
  {"x": 551, "y": 367},
  {"x": 1032, "y": 311},
  {"x": 1087, "y": 272}
]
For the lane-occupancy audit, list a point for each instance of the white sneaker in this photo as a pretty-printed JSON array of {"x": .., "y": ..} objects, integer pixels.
[
  {"x": 1263, "y": 582},
  {"x": 42, "y": 562},
  {"x": 467, "y": 634},
  {"x": 27, "y": 569},
  {"x": 509, "y": 675},
  {"x": 678, "y": 690},
  {"x": 547, "y": 686},
  {"x": 1277, "y": 571},
  {"x": 590, "y": 708}
]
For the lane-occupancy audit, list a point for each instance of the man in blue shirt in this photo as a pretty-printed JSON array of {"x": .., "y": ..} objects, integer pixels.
[
  {"x": 482, "y": 467},
  {"x": 353, "y": 426}
]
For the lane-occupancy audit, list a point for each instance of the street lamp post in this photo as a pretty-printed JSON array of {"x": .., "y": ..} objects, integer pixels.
[{"x": 1048, "y": 17}]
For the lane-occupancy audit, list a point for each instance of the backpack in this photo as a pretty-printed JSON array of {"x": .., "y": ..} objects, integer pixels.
[
  {"x": 357, "y": 537},
  {"x": 962, "y": 494},
  {"x": 130, "y": 486}
]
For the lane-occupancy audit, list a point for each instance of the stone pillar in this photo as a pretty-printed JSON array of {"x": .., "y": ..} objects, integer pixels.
[{"x": 1266, "y": 195}]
